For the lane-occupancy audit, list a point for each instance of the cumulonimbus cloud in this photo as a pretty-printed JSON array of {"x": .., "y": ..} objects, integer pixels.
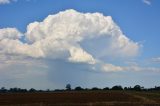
[{"x": 59, "y": 36}]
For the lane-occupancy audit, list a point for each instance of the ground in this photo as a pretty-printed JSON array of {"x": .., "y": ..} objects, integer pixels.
[{"x": 81, "y": 98}]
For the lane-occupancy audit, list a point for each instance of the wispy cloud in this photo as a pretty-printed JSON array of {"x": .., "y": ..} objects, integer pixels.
[
  {"x": 4, "y": 1},
  {"x": 156, "y": 59},
  {"x": 147, "y": 2},
  {"x": 7, "y": 1}
]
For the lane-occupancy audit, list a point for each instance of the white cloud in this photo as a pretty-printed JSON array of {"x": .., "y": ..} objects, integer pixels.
[
  {"x": 111, "y": 68},
  {"x": 114, "y": 68},
  {"x": 74, "y": 27},
  {"x": 4, "y": 1},
  {"x": 148, "y": 2},
  {"x": 60, "y": 36},
  {"x": 79, "y": 55},
  {"x": 10, "y": 1},
  {"x": 10, "y": 33},
  {"x": 156, "y": 59},
  {"x": 7, "y": 1},
  {"x": 144, "y": 69}
]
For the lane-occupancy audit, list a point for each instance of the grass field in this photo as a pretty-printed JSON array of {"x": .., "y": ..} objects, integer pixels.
[{"x": 81, "y": 98}]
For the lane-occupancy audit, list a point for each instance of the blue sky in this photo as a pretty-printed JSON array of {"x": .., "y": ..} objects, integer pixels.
[{"x": 137, "y": 19}]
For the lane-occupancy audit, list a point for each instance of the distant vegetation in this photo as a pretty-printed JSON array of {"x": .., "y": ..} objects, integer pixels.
[
  {"x": 78, "y": 96},
  {"x": 78, "y": 88}
]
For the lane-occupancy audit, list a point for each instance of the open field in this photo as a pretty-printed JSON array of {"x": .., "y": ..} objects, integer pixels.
[{"x": 81, "y": 98}]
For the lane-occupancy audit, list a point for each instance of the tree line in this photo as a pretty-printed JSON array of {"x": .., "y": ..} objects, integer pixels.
[{"x": 78, "y": 88}]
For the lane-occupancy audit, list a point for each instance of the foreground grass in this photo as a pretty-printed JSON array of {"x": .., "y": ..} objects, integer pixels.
[{"x": 81, "y": 98}]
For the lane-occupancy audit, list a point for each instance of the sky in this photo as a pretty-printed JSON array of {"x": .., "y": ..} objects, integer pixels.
[{"x": 50, "y": 43}]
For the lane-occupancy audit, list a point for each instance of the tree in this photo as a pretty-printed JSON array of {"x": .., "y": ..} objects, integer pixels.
[
  {"x": 78, "y": 88},
  {"x": 117, "y": 87},
  {"x": 68, "y": 87},
  {"x": 3, "y": 90},
  {"x": 126, "y": 88},
  {"x": 106, "y": 88},
  {"x": 95, "y": 88},
  {"x": 156, "y": 88},
  {"x": 138, "y": 88},
  {"x": 32, "y": 90}
]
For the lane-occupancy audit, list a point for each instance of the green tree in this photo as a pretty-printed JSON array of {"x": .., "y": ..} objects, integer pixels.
[
  {"x": 68, "y": 87},
  {"x": 78, "y": 88},
  {"x": 117, "y": 87},
  {"x": 137, "y": 88}
]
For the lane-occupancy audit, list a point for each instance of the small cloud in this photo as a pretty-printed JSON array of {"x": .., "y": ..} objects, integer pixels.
[
  {"x": 111, "y": 68},
  {"x": 7, "y": 1},
  {"x": 142, "y": 68},
  {"x": 4, "y": 1},
  {"x": 148, "y": 2},
  {"x": 156, "y": 59}
]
